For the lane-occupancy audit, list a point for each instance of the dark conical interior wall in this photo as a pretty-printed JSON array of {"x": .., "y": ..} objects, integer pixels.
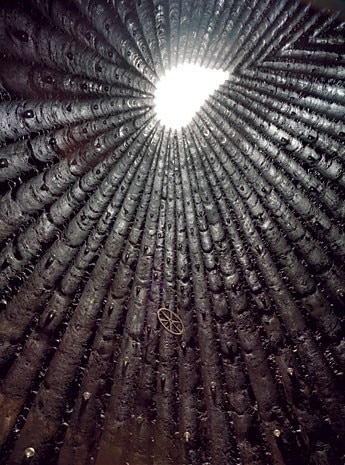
[{"x": 171, "y": 297}]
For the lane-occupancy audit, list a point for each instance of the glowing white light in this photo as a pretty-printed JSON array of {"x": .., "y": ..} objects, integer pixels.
[{"x": 182, "y": 91}]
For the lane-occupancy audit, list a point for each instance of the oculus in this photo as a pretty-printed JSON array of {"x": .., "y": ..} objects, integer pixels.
[{"x": 182, "y": 91}]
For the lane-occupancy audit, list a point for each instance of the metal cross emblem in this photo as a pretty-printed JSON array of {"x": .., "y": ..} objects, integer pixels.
[{"x": 170, "y": 321}]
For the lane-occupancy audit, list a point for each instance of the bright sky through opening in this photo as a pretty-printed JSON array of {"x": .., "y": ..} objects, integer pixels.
[{"x": 182, "y": 91}]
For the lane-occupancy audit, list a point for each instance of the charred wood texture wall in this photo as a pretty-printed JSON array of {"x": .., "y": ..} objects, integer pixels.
[{"x": 235, "y": 223}]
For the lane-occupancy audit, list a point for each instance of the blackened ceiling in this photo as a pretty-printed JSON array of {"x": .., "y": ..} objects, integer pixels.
[{"x": 234, "y": 225}]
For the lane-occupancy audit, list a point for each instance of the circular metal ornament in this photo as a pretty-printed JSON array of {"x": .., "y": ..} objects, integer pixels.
[{"x": 170, "y": 321}]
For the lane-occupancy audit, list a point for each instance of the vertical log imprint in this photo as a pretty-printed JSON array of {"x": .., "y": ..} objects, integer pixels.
[{"x": 171, "y": 296}]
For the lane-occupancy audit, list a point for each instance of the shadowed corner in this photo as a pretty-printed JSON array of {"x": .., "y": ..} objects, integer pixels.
[{"x": 332, "y": 6}]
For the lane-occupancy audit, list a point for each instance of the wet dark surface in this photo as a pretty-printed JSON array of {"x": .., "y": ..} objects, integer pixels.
[{"x": 235, "y": 224}]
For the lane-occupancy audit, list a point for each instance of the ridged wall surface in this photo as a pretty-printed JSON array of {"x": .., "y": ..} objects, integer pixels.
[{"x": 235, "y": 223}]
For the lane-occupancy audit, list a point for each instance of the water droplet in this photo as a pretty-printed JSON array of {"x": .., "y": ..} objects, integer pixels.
[
  {"x": 28, "y": 114},
  {"x": 3, "y": 163},
  {"x": 87, "y": 395},
  {"x": 53, "y": 145},
  {"x": 47, "y": 79},
  {"x": 21, "y": 35},
  {"x": 29, "y": 452}
]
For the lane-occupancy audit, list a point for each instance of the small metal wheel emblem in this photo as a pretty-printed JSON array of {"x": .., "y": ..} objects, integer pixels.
[{"x": 170, "y": 321}]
